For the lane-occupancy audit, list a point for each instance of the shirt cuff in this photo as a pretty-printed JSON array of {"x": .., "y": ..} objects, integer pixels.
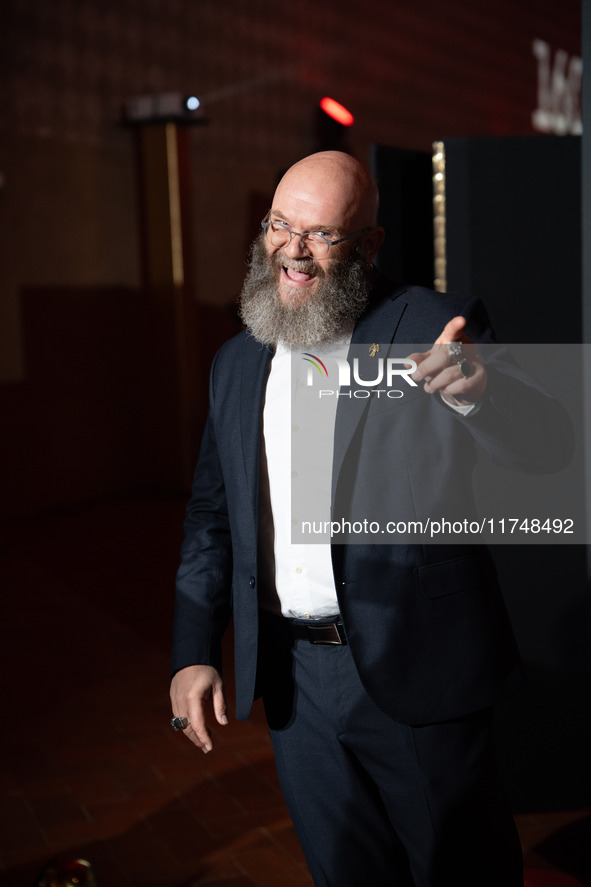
[{"x": 466, "y": 410}]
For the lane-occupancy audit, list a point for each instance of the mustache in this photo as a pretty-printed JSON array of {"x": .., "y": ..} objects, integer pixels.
[{"x": 306, "y": 265}]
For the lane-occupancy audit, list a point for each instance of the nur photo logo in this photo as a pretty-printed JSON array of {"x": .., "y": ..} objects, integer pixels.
[{"x": 385, "y": 371}]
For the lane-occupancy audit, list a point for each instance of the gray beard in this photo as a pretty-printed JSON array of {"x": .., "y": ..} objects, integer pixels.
[{"x": 328, "y": 316}]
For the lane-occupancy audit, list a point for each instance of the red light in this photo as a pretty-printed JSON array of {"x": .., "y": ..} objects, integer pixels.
[{"x": 336, "y": 111}]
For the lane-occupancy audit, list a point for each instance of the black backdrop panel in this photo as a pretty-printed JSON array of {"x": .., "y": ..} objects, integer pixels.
[
  {"x": 513, "y": 225},
  {"x": 513, "y": 220},
  {"x": 406, "y": 213}
]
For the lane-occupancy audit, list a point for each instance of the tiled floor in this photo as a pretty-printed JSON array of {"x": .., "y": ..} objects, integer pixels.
[{"x": 89, "y": 763}]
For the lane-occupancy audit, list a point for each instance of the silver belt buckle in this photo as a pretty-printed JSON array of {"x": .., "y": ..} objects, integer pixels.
[{"x": 326, "y": 634}]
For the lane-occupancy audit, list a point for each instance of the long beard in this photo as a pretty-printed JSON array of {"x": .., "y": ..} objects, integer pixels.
[{"x": 328, "y": 316}]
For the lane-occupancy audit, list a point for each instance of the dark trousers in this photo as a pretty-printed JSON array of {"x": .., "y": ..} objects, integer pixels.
[{"x": 375, "y": 802}]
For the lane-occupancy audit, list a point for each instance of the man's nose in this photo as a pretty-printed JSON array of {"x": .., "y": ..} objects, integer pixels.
[{"x": 296, "y": 249}]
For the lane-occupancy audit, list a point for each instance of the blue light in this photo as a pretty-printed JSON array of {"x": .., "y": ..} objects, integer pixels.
[{"x": 192, "y": 103}]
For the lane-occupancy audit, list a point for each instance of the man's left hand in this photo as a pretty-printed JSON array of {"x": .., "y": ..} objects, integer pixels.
[{"x": 457, "y": 373}]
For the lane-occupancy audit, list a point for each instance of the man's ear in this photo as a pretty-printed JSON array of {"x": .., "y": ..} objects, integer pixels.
[{"x": 372, "y": 241}]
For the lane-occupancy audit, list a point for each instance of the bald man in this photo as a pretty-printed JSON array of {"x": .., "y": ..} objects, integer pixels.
[{"x": 378, "y": 664}]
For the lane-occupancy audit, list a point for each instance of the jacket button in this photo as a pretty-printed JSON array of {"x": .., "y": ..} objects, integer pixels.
[{"x": 252, "y": 582}]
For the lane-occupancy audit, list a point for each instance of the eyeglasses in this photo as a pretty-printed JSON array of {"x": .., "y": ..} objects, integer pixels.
[{"x": 315, "y": 243}]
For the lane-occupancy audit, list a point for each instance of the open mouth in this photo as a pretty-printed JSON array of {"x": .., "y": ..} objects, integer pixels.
[{"x": 297, "y": 278}]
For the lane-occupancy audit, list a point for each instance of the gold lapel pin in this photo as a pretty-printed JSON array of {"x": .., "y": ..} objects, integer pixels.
[{"x": 374, "y": 350}]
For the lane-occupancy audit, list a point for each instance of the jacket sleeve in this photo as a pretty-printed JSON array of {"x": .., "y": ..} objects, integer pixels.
[
  {"x": 519, "y": 423},
  {"x": 203, "y": 599}
]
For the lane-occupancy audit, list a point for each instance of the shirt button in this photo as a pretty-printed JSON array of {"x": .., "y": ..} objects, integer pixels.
[
  {"x": 298, "y": 569},
  {"x": 252, "y": 582}
]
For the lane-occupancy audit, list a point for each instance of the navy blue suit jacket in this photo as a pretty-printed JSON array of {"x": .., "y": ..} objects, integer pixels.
[{"x": 426, "y": 624}]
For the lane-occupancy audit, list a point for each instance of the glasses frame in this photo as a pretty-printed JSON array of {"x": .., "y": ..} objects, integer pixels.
[{"x": 267, "y": 223}]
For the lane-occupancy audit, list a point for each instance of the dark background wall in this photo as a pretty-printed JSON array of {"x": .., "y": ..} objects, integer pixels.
[
  {"x": 411, "y": 72},
  {"x": 88, "y": 378}
]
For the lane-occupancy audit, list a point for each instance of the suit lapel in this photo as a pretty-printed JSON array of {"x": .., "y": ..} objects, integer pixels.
[
  {"x": 378, "y": 326},
  {"x": 255, "y": 369},
  {"x": 381, "y": 320}
]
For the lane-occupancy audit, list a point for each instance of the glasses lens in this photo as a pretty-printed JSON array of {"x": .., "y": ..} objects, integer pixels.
[
  {"x": 278, "y": 235},
  {"x": 316, "y": 245}
]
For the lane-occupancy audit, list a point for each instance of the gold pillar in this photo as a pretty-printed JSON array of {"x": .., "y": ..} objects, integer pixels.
[{"x": 439, "y": 217}]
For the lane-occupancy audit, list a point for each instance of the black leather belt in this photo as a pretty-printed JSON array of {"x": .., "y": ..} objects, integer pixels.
[{"x": 319, "y": 632}]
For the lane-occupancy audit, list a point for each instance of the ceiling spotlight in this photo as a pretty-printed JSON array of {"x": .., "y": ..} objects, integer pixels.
[{"x": 172, "y": 106}]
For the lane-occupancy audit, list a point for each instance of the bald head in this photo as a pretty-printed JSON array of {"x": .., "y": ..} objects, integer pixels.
[
  {"x": 332, "y": 189},
  {"x": 332, "y": 194}
]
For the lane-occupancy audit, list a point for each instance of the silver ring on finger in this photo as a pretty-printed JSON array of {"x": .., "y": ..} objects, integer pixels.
[{"x": 454, "y": 349}]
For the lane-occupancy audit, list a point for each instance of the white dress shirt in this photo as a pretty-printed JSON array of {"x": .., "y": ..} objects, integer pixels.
[{"x": 296, "y": 579}]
